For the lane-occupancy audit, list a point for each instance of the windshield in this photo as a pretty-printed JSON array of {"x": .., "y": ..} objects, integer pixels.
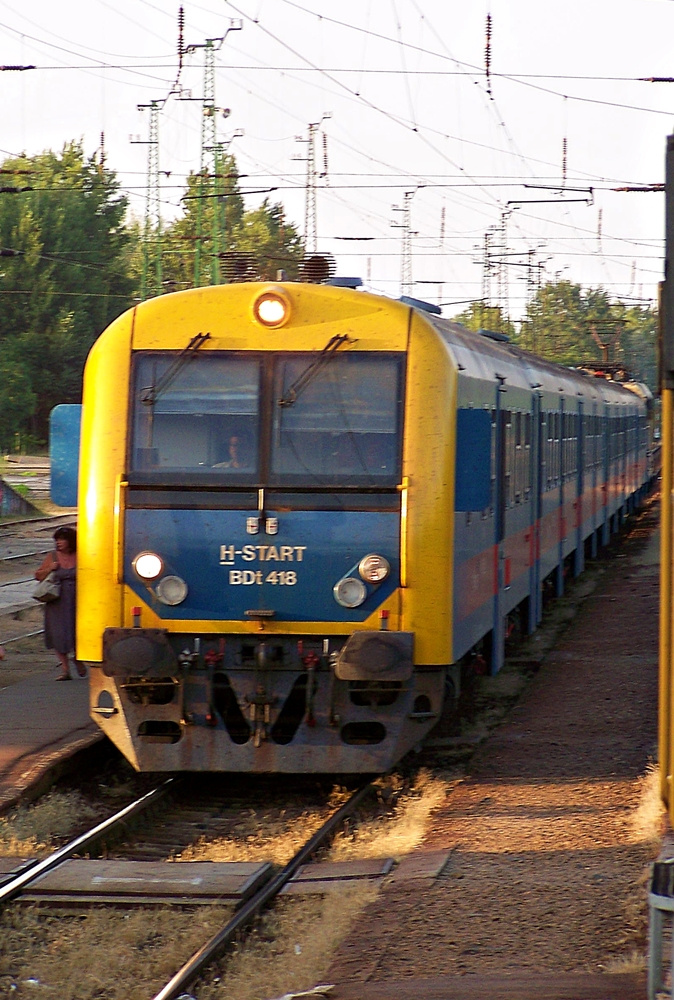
[
  {"x": 344, "y": 426},
  {"x": 205, "y": 420},
  {"x": 228, "y": 418}
]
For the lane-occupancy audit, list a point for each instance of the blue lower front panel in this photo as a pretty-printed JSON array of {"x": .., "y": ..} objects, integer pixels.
[{"x": 290, "y": 573}]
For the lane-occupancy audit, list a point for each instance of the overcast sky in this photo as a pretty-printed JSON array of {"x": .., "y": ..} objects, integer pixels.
[{"x": 518, "y": 165}]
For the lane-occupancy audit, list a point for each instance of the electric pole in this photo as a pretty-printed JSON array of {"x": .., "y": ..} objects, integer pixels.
[
  {"x": 210, "y": 157},
  {"x": 406, "y": 282},
  {"x": 152, "y": 228},
  {"x": 310, "y": 213}
]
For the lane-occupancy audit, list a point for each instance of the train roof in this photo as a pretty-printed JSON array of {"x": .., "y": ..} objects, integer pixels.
[{"x": 481, "y": 355}]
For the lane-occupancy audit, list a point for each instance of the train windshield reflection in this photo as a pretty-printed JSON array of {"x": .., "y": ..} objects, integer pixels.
[
  {"x": 205, "y": 420},
  {"x": 343, "y": 428},
  {"x": 345, "y": 425}
]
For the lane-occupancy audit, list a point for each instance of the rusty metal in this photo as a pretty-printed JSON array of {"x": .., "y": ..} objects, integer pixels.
[
  {"x": 31, "y": 872},
  {"x": 250, "y": 909}
]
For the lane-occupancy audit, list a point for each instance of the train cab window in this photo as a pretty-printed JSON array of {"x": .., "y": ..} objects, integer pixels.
[
  {"x": 342, "y": 425},
  {"x": 196, "y": 416}
]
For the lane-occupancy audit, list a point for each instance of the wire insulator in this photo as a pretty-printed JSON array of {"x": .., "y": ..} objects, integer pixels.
[
  {"x": 181, "y": 40},
  {"x": 487, "y": 55}
]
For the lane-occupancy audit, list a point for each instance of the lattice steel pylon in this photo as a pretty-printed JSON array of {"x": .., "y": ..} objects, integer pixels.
[
  {"x": 406, "y": 283},
  {"x": 152, "y": 232},
  {"x": 210, "y": 156},
  {"x": 310, "y": 215},
  {"x": 310, "y": 210}
]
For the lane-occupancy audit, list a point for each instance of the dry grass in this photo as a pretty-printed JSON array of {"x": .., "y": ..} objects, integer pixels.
[
  {"x": 648, "y": 818},
  {"x": 635, "y": 961},
  {"x": 103, "y": 954},
  {"x": 34, "y": 829},
  {"x": 393, "y": 835},
  {"x": 261, "y": 836},
  {"x": 292, "y": 949},
  {"x": 106, "y": 955}
]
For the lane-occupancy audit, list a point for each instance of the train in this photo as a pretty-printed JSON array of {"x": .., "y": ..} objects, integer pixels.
[{"x": 306, "y": 510}]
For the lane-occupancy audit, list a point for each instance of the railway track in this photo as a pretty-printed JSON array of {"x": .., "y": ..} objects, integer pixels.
[
  {"x": 23, "y": 545},
  {"x": 184, "y": 818}
]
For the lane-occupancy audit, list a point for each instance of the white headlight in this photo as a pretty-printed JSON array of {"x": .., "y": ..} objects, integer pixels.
[
  {"x": 148, "y": 565},
  {"x": 349, "y": 592},
  {"x": 272, "y": 308},
  {"x": 171, "y": 590},
  {"x": 374, "y": 568}
]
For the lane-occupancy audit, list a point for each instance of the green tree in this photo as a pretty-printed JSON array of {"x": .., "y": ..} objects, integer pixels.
[
  {"x": 216, "y": 240},
  {"x": 575, "y": 326},
  {"x": 638, "y": 344},
  {"x": 557, "y": 324},
  {"x": 478, "y": 316},
  {"x": 64, "y": 273},
  {"x": 18, "y": 399}
]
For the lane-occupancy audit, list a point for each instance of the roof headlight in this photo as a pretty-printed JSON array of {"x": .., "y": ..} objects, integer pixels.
[
  {"x": 374, "y": 568},
  {"x": 272, "y": 308},
  {"x": 171, "y": 590},
  {"x": 349, "y": 592},
  {"x": 148, "y": 565}
]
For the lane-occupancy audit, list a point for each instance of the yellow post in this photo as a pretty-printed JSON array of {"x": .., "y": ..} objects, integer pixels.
[{"x": 665, "y": 657}]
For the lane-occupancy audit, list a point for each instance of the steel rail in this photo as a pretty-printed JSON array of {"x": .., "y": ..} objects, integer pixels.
[
  {"x": 15, "y": 885},
  {"x": 25, "y": 635},
  {"x": 251, "y": 908},
  {"x": 25, "y": 555},
  {"x": 48, "y": 520}
]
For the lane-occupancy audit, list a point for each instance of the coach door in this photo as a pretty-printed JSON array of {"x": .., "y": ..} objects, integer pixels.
[{"x": 500, "y": 504}]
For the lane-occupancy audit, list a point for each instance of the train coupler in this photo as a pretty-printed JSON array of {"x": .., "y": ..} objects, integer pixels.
[{"x": 260, "y": 706}]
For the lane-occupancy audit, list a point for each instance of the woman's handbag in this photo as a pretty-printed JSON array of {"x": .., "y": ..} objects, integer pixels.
[{"x": 48, "y": 589}]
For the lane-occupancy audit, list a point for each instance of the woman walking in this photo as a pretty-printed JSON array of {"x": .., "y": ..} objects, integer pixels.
[{"x": 59, "y": 615}]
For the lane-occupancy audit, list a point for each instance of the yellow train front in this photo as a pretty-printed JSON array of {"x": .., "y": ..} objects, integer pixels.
[
  {"x": 247, "y": 523},
  {"x": 302, "y": 508}
]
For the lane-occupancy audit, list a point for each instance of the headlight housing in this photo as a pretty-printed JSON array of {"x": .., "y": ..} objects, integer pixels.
[
  {"x": 171, "y": 590},
  {"x": 374, "y": 568},
  {"x": 148, "y": 565},
  {"x": 272, "y": 308},
  {"x": 349, "y": 592}
]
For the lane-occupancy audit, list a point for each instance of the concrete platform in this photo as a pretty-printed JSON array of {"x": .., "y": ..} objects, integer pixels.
[
  {"x": 525, "y": 986},
  {"x": 42, "y": 724},
  {"x": 17, "y": 595}
]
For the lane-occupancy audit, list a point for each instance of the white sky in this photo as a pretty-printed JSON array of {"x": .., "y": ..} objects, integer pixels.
[{"x": 404, "y": 84}]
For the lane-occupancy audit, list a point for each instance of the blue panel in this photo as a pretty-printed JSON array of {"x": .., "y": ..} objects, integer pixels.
[
  {"x": 64, "y": 453},
  {"x": 473, "y": 459},
  {"x": 292, "y": 573}
]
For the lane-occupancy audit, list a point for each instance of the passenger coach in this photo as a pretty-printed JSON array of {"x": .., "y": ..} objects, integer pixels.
[{"x": 303, "y": 509}]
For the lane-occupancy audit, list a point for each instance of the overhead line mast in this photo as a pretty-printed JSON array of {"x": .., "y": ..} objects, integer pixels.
[
  {"x": 210, "y": 157},
  {"x": 152, "y": 228}
]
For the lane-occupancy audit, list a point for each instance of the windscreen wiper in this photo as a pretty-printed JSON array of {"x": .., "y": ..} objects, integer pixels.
[
  {"x": 312, "y": 370},
  {"x": 151, "y": 393}
]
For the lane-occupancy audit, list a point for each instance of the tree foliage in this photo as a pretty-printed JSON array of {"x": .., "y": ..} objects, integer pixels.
[
  {"x": 479, "y": 316},
  {"x": 570, "y": 325},
  {"x": 63, "y": 278},
  {"x": 217, "y": 240}
]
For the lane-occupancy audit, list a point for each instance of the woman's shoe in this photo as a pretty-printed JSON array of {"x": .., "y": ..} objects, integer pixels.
[
  {"x": 64, "y": 677},
  {"x": 81, "y": 669}
]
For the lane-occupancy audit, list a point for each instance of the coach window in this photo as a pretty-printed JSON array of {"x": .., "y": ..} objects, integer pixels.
[
  {"x": 488, "y": 511},
  {"x": 337, "y": 424},
  {"x": 200, "y": 416},
  {"x": 527, "y": 454},
  {"x": 518, "y": 457}
]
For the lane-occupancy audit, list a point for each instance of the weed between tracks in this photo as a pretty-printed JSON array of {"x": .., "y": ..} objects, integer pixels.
[
  {"x": 106, "y": 955},
  {"x": 33, "y": 830},
  {"x": 393, "y": 834}
]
